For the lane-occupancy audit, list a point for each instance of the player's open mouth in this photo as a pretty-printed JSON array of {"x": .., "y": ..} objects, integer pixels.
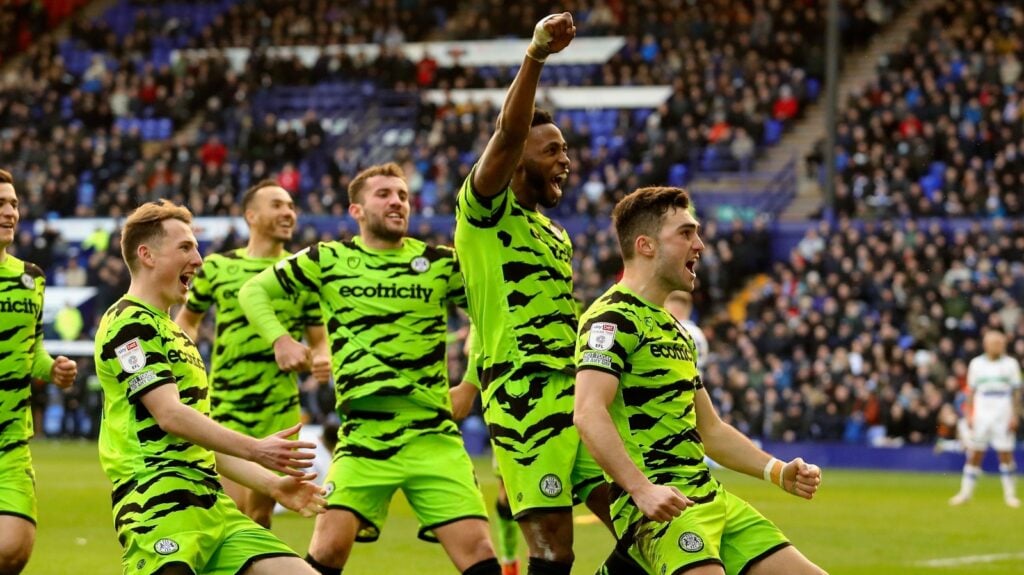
[
  {"x": 186, "y": 279},
  {"x": 9, "y": 225},
  {"x": 559, "y": 180},
  {"x": 691, "y": 266},
  {"x": 395, "y": 217}
]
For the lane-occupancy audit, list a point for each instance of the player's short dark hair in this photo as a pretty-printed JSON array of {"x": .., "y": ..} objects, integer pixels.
[
  {"x": 643, "y": 212},
  {"x": 146, "y": 223},
  {"x": 250, "y": 195},
  {"x": 6, "y": 177},
  {"x": 355, "y": 188},
  {"x": 541, "y": 117}
]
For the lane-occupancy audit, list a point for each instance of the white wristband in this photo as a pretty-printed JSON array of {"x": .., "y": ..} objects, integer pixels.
[{"x": 767, "y": 473}]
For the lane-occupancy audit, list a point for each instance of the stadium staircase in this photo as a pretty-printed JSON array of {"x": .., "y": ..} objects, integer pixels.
[{"x": 799, "y": 141}]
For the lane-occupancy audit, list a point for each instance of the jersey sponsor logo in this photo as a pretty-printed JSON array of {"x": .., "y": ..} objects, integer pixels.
[
  {"x": 165, "y": 546},
  {"x": 176, "y": 356},
  {"x": 131, "y": 356},
  {"x": 230, "y": 294},
  {"x": 690, "y": 542},
  {"x": 140, "y": 380},
  {"x": 671, "y": 351},
  {"x": 420, "y": 264},
  {"x": 393, "y": 291},
  {"x": 551, "y": 485},
  {"x": 25, "y": 305},
  {"x": 602, "y": 336},
  {"x": 27, "y": 281},
  {"x": 595, "y": 358}
]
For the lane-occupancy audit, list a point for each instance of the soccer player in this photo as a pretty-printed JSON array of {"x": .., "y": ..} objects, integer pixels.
[
  {"x": 158, "y": 445},
  {"x": 463, "y": 397},
  {"x": 253, "y": 388},
  {"x": 994, "y": 382},
  {"x": 385, "y": 298},
  {"x": 644, "y": 414},
  {"x": 679, "y": 303},
  {"x": 22, "y": 361},
  {"x": 518, "y": 268}
]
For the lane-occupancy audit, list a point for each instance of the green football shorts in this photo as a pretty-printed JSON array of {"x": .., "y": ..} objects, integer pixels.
[
  {"x": 214, "y": 540},
  {"x": 17, "y": 483},
  {"x": 433, "y": 471},
  {"x": 726, "y": 530},
  {"x": 540, "y": 456}
]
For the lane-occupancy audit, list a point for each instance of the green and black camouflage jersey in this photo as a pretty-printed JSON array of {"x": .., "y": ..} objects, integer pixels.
[
  {"x": 246, "y": 383},
  {"x": 139, "y": 348},
  {"x": 386, "y": 315},
  {"x": 22, "y": 357},
  {"x": 653, "y": 410},
  {"x": 517, "y": 264}
]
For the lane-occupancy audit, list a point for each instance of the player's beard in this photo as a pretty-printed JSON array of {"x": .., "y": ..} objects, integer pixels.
[
  {"x": 541, "y": 186},
  {"x": 378, "y": 227}
]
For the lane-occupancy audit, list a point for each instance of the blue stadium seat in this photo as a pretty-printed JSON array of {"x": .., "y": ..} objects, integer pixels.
[
  {"x": 677, "y": 175},
  {"x": 772, "y": 132}
]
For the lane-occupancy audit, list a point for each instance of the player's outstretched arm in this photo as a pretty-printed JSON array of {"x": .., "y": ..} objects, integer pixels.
[
  {"x": 255, "y": 298},
  {"x": 500, "y": 157},
  {"x": 730, "y": 448},
  {"x": 595, "y": 391},
  {"x": 275, "y": 452},
  {"x": 298, "y": 493}
]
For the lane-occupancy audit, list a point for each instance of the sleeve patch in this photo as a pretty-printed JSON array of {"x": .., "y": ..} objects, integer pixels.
[
  {"x": 131, "y": 356},
  {"x": 140, "y": 381},
  {"x": 602, "y": 336},
  {"x": 596, "y": 359}
]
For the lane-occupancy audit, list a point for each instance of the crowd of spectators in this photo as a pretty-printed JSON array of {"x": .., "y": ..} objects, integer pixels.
[
  {"x": 866, "y": 332},
  {"x": 23, "y": 22},
  {"x": 938, "y": 133}
]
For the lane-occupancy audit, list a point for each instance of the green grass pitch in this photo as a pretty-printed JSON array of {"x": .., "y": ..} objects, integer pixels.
[{"x": 863, "y": 523}]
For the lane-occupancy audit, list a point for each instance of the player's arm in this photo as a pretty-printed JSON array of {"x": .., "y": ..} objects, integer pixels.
[
  {"x": 464, "y": 394},
  {"x": 189, "y": 322},
  {"x": 297, "y": 493},
  {"x": 595, "y": 391},
  {"x": 274, "y": 452},
  {"x": 60, "y": 371},
  {"x": 316, "y": 335},
  {"x": 286, "y": 278},
  {"x": 500, "y": 157},
  {"x": 727, "y": 446}
]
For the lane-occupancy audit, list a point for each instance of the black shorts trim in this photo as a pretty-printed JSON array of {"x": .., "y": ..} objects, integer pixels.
[
  {"x": 169, "y": 564},
  {"x": 25, "y": 517},
  {"x": 695, "y": 564},
  {"x": 526, "y": 512},
  {"x": 751, "y": 563},
  {"x": 248, "y": 563},
  {"x": 422, "y": 533},
  {"x": 361, "y": 517}
]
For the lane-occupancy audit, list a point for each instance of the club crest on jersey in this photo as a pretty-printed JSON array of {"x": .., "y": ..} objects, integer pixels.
[
  {"x": 602, "y": 336},
  {"x": 353, "y": 262},
  {"x": 165, "y": 546},
  {"x": 328, "y": 488},
  {"x": 420, "y": 264},
  {"x": 131, "y": 356},
  {"x": 551, "y": 485},
  {"x": 690, "y": 542},
  {"x": 26, "y": 280}
]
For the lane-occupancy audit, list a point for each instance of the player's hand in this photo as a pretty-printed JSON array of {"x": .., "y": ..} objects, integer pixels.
[
  {"x": 300, "y": 494},
  {"x": 291, "y": 355},
  {"x": 661, "y": 502},
  {"x": 801, "y": 479},
  {"x": 462, "y": 400},
  {"x": 551, "y": 35},
  {"x": 278, "y": 453},
  {"x": 63, "y": 372},
  {"x": 322, "y": 368}
]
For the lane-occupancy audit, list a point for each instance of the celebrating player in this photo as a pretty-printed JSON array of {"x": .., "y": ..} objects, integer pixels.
[
  {"x": 386, "y": 298},
  {"x": 646, "y": 417},
  {"x": 159, "y": 447},
  {"x": 22, "y": 361},
  {"x": 252, "y": 391}
]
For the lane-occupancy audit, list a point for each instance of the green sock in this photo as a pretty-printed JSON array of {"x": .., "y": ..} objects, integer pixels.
[{"x": 508, "y": 533}]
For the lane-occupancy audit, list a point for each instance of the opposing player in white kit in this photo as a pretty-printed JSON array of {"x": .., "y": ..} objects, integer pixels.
[
  {"x": 679, "y": 303},
  {"x": 994, "y": 382}
]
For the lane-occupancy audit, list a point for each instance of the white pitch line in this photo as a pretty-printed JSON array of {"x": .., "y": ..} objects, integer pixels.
[{"x": 969, "y": 560}]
